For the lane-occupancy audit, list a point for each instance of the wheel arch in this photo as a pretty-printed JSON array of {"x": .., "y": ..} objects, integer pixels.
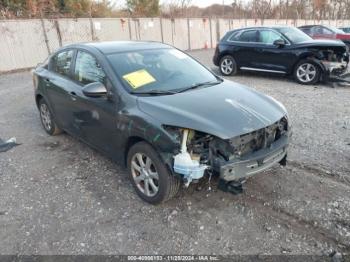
[
  {"x": 312, "y": 58},
  {"x": 226, "y": 53},
  {"x": 38, "y": 97},
  {"x": 133, "y": 140}
]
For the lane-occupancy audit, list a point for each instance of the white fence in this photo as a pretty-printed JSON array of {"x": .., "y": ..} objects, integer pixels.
[{"x": 25, "y": 43}]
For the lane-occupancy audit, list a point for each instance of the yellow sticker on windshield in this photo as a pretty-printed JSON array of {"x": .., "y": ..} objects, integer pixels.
[{"x": 139, "y": 78}]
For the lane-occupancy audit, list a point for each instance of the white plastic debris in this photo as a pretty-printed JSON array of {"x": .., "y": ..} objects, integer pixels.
[
  {"x": 8, "y": 144},
  {"x": 185, "y": 165}
]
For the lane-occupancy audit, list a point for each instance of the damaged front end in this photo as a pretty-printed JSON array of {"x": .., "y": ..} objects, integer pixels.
[
  {"x": 232, "y": 159},
  {"x": 335, "y": 64}
]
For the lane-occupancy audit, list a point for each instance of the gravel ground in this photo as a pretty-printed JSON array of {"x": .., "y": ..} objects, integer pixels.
[{"x": 58, "y": 196}]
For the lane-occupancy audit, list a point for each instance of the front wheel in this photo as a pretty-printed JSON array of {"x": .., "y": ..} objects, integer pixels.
[
  {"x": 228, "y": 65},
  {"x": 150, "y": 177},
  {"x": 307, "y": 72}
]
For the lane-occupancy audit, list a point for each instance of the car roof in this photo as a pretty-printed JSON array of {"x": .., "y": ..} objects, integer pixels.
[
  {"x": 274, "y": 27},
  {"x": 110, "y": 47},
  {"x": 309, "y": 26},
  {"x": 260, "y": 27},
  {"x": 306, "y": 26}
]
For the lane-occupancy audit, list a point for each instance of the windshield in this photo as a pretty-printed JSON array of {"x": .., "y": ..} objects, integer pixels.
[
  {"x": 294, "y": 34},
  {"x": 160, "y": 70}
]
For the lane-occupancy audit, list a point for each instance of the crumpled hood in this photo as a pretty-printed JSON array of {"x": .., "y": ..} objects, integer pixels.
[{"x": 225, "y": 110}]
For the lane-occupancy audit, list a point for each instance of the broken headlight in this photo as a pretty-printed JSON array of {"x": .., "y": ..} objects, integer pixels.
[
  {"x": 197, "y": 142},
  {"x": 174, "y": 132}
]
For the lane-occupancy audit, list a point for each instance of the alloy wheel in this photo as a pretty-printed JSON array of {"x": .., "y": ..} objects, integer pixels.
[
  {"x": 145, "y": 174},
  {"x": 227, "y": 66},
  {"x": 45, "y": 117},
  {"x": 306, "y": 72}
]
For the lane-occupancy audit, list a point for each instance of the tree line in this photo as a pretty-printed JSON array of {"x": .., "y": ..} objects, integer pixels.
[{"x": 237, "y": 9}]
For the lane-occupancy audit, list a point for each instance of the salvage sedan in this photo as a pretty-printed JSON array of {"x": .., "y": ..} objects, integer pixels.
[
  {"x": 160, "y": 113},
  {"x": 281, "y": 50}
]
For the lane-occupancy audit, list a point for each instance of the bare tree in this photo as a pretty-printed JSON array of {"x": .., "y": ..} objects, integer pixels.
[{"x": 262, "y": 9}]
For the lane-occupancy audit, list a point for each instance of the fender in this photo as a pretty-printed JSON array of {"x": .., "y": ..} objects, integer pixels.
[{"x": 314, "y": 58}]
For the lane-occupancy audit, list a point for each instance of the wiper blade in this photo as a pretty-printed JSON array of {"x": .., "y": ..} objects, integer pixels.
[
  {"x": 194, "y": 86},
  {"x": 154, "y": 92}
]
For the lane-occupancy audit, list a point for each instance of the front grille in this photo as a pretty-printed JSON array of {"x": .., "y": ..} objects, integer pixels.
[{"x": 259, "y": 139}]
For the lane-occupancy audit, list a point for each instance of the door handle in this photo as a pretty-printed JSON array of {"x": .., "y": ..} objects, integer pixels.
[{"x": 47, "y": 80}]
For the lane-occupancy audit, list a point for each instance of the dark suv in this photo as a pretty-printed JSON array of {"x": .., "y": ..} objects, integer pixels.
[{"x": 281, "y": 50}]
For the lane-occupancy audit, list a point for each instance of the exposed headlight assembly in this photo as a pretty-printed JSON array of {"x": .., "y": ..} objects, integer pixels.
[{"x": 186, "y": 163}]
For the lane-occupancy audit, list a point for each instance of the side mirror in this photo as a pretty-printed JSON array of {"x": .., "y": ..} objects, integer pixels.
[
  {"x": 95, "y": 89},
  {"x": 279, "y": 42}
]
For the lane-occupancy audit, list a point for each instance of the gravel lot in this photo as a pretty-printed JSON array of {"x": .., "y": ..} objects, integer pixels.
[{"x": 58, "y": 196}]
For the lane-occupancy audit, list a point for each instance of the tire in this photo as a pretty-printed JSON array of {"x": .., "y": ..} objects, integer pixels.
[
  {"x": 228, "y": 65},
  {"x": 307, "y": 72},
  {"x": 47, "y": 120},
  {"x": 167, "y": 184}
]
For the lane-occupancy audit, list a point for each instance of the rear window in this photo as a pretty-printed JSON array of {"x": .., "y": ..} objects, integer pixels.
[
  {"x": 234, "y": 36},
  {"x": 61, "y": 62}
]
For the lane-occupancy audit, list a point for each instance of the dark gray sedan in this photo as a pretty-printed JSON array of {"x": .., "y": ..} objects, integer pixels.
[{"x": 160, "y": 113}]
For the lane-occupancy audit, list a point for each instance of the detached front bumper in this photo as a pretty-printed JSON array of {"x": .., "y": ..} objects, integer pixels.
[
  {"x": 339, "y": 75},
  {"x": 335, "y": 67},
  {"x": 336, "y": 71},
  {"x": 256, "y": 162}
]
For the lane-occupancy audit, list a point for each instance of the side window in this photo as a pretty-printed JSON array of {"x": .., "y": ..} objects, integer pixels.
[
  {"x": 87, "y": 69},
  {"x": 306, "y": 30},
  {"x": 268, "y": 37},
  {"x": 249, "y": 36},
  {"x": 317, "y": 30},
  {"x": 326, "y": 31},
  {"x": 235, "y": 36},
  {"x": 61, "y": 62}
]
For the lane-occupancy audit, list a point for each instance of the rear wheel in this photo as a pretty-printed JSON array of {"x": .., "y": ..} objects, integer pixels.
[
  {"x": 307, "y": 72},
  {"x": 47, "y": 120},
  {"x": 228, "y": 65},
  {"x": 151, "y": 178}
]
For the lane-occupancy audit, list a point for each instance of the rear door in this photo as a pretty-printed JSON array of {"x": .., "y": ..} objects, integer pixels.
[
  {"x": 243, "y": 45},
  {"x": 59, "y": 87}
]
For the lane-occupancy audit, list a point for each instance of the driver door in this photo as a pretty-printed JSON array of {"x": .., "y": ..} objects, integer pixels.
[{"x": 272, "y": 57}]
